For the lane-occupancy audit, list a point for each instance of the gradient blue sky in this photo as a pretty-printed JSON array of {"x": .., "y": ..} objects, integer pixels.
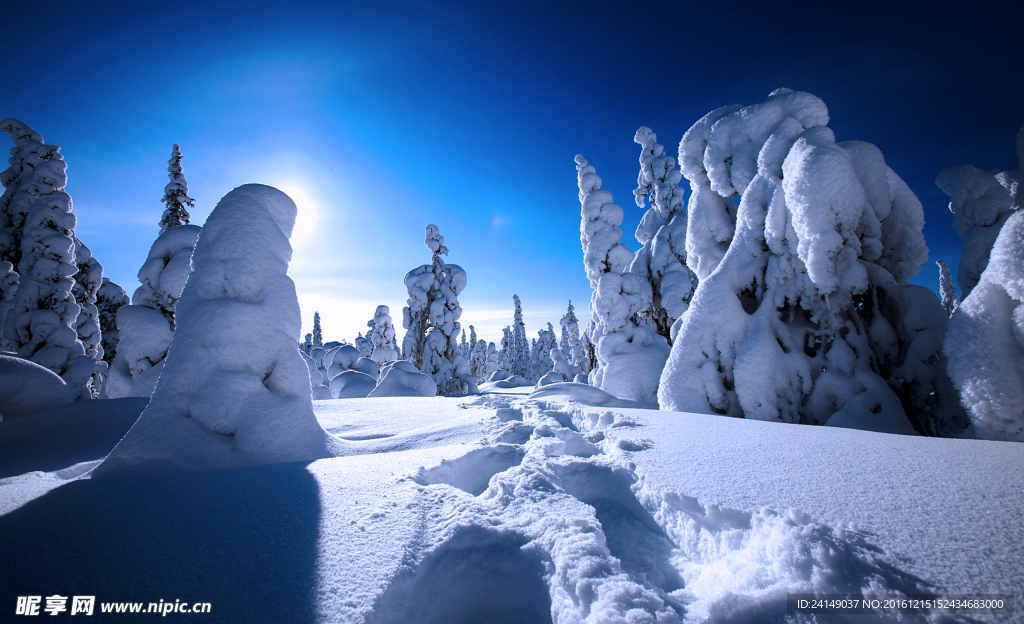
[{"x": 379, "y": 118}]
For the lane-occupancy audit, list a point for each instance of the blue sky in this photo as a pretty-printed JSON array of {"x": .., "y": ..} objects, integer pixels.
[{"x": 379, "y": 118}]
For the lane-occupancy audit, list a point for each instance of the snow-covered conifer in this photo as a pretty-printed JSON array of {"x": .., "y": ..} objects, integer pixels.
[
  {"x": 234, "y": 389},
  {"x": 8, "y": 292},
  {"x": 382, "y": 338},
  {"x": 947, "y": 291},
  {"x": 307, "y": 346},
  {"x": 318, "y": 335},
  {"x": 432, "y": 320},
  {"x": 662, "y": 235},
  {"x": 176, "y": 197},
  {"x": 146, "y": 327},
  {"x": 506, "y": 355},
  {"x": 804, "y": 312},
  {"x": 39, "y": 235},
  {"x": 464, "y": 345},
  {"x": 630, "y": 354},
  {"x": 472, "y": 338},
  {"x": 109, "y": 299},
  {"x": 494, "y": 362},
  {"x": 571, "y": 345},
  {"x": 985, "y": 341},
  {"x": 87, "y": 284},
  {"x": 478, "y": 361},
  {"x": 981, "y": 201},
  {"x": 540, "y": 355},
  {"x": 520, "y": 361}
]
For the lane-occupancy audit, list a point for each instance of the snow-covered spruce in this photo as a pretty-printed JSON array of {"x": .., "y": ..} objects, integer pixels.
[
  {"x": 630, "y": 354},
  {"x": 662, "y": 236},
  {"x": 234, "y": 389},
  {"x": 947, "y": 291},
  {"x": 87, "y": 285},
  {"x": 431, "y": 320},
  {"x": 8, "y": 291},
  {"x": 571, "y": 344},
  {"x": 985, "y": 341},
  {"x": 146, "y": 326},
  {"x": 519, "y": 346},
  {"x": 318, "y": 334},
  {"x": 307, "y": 346},
  {"x": 804, "y": 312},
  {"x": 540, "y": 354},
  {"x": 176, "y": 197},
  {"x": 478, "y": 361},
  {"x": 109, "y": 299},
  {"x": 38, "y": 235},
  {"x": 382, "y": 339},
  {"x": 981, "y": 201}
]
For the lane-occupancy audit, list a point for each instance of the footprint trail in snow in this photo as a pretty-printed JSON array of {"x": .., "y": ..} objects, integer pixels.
[{"x": 548, "y": 520}]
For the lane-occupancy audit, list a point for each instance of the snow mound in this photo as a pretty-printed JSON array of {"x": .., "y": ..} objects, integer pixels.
[
  {"x": 401, "y": 379},
  {"x": 27, "y": 388},
  {"x": 550, "y": 378},
  {"x": 234, "y": 389},
  {"x": 352, "y": 385}
]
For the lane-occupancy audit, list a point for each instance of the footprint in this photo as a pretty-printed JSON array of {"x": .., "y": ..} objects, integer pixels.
[
  {"x": 479, "y": 575},
  {"x": 473, "y": 471}
]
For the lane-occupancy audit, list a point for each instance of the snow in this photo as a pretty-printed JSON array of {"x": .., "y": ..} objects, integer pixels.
[
  {"x": 26, "y": 388},
  {"x": 539, "y": 509},
  {"x": 401, "y": 378},
  {"x": 234, "y": 389}
]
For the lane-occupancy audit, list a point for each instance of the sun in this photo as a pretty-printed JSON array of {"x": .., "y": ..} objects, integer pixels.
[{"x": 307, "y": 216}]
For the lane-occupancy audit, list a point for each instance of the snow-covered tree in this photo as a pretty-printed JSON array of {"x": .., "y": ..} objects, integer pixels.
[
  {"x": 540, "y": 355},
  {"x": 318, "y": 335},
  {"x": 464, "y": 345},
  {"x": 947, "y": 291},
  {"x": 662, "y": 236},
  {"x": 234, "y": 389},
  {"x": 985, "y": 341},
  {"x": 38, "y": 234},
  {"x": 307, "y": 346},
  {"x": 519, "y": 363},
  {"x": 176, "y": 197},
  {"x": 981, "y": 201},
  {"x": 561, "y": 366},
  {"x": 109, "y": 299},
  {"x": 506, "y": 355},
  {"x": 478, "y": 361},
  {"x": 472, "y": 338},
  {"x": 629, "y": 353},
  {"x": 87, "y": 284},
  {"x": 146, "y": 327},
  {"x": 804, "y": 312},
  {"x": 432, "y": 320},
  {"x": 571, "y": 345},
  {"x": 494, "y": 362},
  {"x": 382, "y": 338},
  {"x": 8, "y": 292}
]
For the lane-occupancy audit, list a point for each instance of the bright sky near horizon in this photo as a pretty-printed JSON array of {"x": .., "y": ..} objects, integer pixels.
[{"x": 380, "y": 118}]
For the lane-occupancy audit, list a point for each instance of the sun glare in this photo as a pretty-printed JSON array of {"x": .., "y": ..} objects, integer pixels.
[{"x": 307, "y": 216}]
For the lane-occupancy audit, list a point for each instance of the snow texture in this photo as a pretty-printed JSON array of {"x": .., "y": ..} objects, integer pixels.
[
  {"x": 431, "y": 320},
  {"x": 630, "y": 354},
  {"x": 803, "y": 304},
  {"x": 234, "y": 389},
  {"x": 382, "y": 337},
  {"x": 176, "y": 197},
  {"x": 985, "y": 341}
]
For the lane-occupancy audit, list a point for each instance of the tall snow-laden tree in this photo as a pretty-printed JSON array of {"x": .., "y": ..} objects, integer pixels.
[
  {"x": 382, "y": 338},
  {"x": 464, "y": 345},
  {"x": 146, "y": 327},
  {"x": 472, "y": 338},
  {"x": 629, "y": 353},
  {"x": 307, "y": 346},
  {"x": 176, "y": 197},
  {"x": 109, "y": 299},
  {"x": 520, "y": 360},
  {"x": 804, "y": 312},
  {"x": 506, "y": 355},
  {"x": 318, "y": 335},
  {"x": 478, "y": 361},
  {"x": 947, "y": 291},
  {"x": 38, "y": 234},
  {"x": 985, "y": 341},
  {"x": 431, "y": 320},
  {"x": 540, "y": 356},
  {"x": 662, "y": 236},
  {"x": 234, "y": 391},
  {"x": 981, "y": 201},
  {"x": 87, "y": 284}
]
